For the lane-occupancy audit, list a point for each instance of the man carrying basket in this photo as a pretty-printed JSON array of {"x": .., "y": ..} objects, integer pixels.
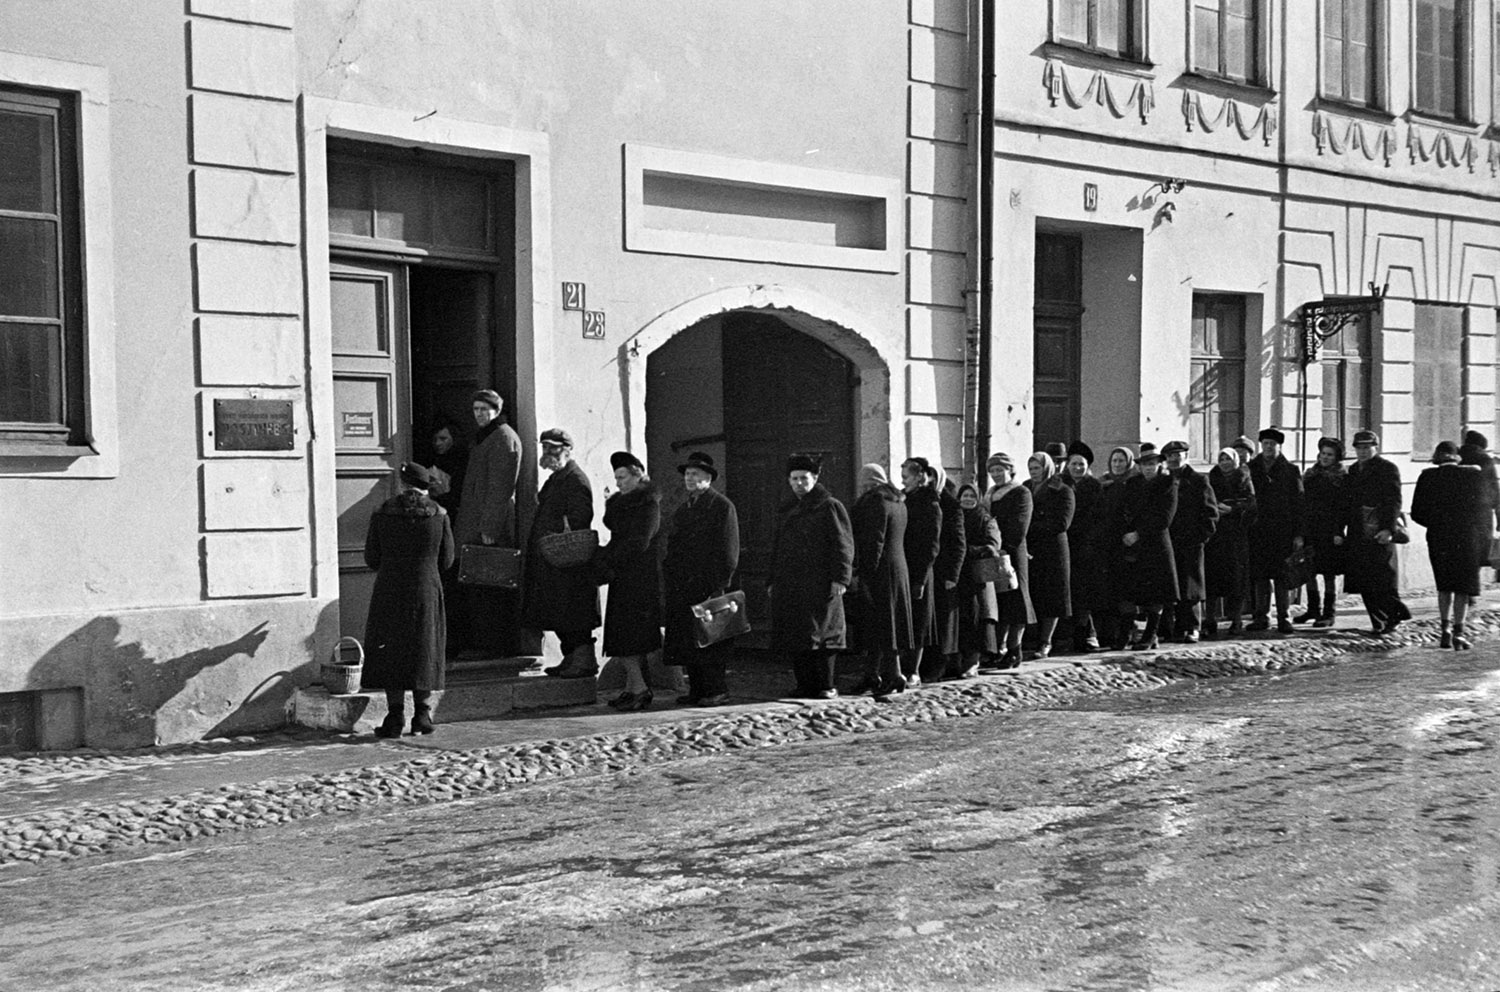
[{"x": 558, "y": 587}]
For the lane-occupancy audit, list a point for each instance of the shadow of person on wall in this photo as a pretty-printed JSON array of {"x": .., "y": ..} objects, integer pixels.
[{"x": 266, "y": 705}]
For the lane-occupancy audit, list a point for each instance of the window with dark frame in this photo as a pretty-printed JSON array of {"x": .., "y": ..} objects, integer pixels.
[
  {"x": 1347, "y": 363},
  {"x": 1104, "y": 26},
  {"x": 1226, "y": 39},
  {"x": 1441, "y": 64},
  {"x": 1351, "y": 31},
  {"x": 1437, "y": 375},
  {"x": 41, "y": 309},
  {"x": 1216, "y": 403}
]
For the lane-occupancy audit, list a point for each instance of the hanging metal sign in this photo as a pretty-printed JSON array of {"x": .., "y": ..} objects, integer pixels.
[{"x": 1325, "y": 318}]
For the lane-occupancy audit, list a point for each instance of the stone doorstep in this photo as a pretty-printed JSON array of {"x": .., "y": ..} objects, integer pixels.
[{"x": 361, "y": 712}]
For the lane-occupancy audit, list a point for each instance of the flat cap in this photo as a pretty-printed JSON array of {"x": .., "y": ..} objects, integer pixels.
[
  {"x": 1366, "y": 437},
  {"x": 557, "y": 436},
  {"x": 1173, "y": 446}
]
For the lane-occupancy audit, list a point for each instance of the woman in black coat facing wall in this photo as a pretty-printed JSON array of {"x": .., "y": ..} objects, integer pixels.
[
  {"x": 943, "y": 659},
  {"x": 703, "y": 551},
  {"x": 881, "y": 592},
  {"x": 1451, "y": 502},
  {"x": 1052, "y": 506},
  {"x": 1010, "y": 505},
  {"x": 630, "y": 565},
  {"x": 409, "y": 545},
  {"x": 924, "y": 532},
  {"x": 1323, "y": 529},
  {"x": 1227, "y": 553},
  {"x": 1150, "y": 504}
]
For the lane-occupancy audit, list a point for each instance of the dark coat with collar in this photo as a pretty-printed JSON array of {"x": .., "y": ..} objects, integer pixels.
[
  {"x": 1372, "y": 503},
  {"x": 1050, "y": 579},
  {"x": 487, "y": 504},
  {"x": 1323, "y": 502},
  {"x": 703, "y": 551},
  {"x": 631, "y": 565},
  {"x": 565, "y": 599},
  {"x": 1451, "y": 502},
  {"x": 949, "y": 567},
  {"x": 1149, "y": 566},
  {"x": 1088, "y": 572},
  {"x": 1012, "y": 515},
  {"x": 409, "y": 544},
  {"x": 1227, "y": 554},
  {"x": 924, "y": 534},
  {"x": 881, "y": 596},
  {"x": 1192, "y": 527},
  {"x": 1278, "y": 516},
  {"x": 813, "y": 548}
]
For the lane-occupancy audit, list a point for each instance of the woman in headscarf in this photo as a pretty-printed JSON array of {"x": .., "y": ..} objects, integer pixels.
[
  {"x": 630, "y": 564},
  {"x": 1451, "y": 502},
  {"x": 881, "y": 592},
  {"x": 1120, "y": 618},
  {"x": 1226, "y": 556},
  {"x": 1050, "y": 584},
  {"x": 1323, "y": 529},
  {"x": 978, "y": 609},
  {"x": 1010, "y": 504}
]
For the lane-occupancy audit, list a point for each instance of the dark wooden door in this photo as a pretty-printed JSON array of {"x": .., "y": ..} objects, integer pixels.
[
  {"x": 784, "y": 392},
  {"x": 1057, "y": 325}
]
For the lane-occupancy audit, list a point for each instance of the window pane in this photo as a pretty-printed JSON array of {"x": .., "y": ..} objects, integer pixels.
[
  {"x": 1357, "y": 79},
  {"x": 401, "y": 200},
  {"x": 28, "y": 267},
  {"x": 461, "y": 211},
  {"x": 359, "y": 309},
  {"x": 1206, "y": 37},
  {"x": 350, "y": 203},
  {"x": 31, "y": 373},
  {"x": 27, "y": 170},
  {"x": 1333, "y": 19},
  {"x": 1239, "y": 41},
  {"x": 1111, "y": 30},
  {"x": 1358, "y": 18},
  {"x": 1073, "y": 21}
]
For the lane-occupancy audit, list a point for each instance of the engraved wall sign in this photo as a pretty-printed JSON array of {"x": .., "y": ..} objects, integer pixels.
[{"x": 253, "y": 425}]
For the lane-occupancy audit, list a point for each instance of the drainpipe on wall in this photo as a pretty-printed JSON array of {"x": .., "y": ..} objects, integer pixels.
[{"x": 984, "y": 126}]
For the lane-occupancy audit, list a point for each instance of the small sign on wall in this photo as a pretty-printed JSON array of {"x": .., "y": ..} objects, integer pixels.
[
  {"x": 1090, "y": 196},
  {"x": 359, "y": 423},
  {"x": 573, "y": 295},
  {"x": 253, "y": 425},
  {"x": 593, "y": 324}
]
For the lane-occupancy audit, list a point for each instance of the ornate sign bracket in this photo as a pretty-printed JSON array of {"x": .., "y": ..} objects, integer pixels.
[{"x": 1325, "y": 318}]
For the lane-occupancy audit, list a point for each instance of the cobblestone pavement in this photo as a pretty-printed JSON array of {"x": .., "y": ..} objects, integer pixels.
[
  {"x": 1339, "y": 830},
  {"x": 103, "y": 827}
]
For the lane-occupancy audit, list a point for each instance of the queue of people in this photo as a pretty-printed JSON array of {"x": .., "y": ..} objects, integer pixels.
[{"x": 927, "y": 580}]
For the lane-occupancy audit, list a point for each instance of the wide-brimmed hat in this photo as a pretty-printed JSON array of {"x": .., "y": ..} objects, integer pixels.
[
  {"x": 804, "y": 463},
  {"x": 557, "y": 436},
  {"x": 624, "y": 459},
  {"x": 1148, "y": 453},
  {"x": 415, "y": 475},
  {"x": 1056, "y": 450},
  {"x": 702, "y": 461},
  {"x": 1272, "y": 434},
  {"x": 1079, "y": 448}
]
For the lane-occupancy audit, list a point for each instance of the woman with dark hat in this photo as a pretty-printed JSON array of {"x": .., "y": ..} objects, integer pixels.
[
  {"x": 409, "y": 544},
  {"x": 1149, "y": 505},
  {"x": 979, "y": 638},
  {"x": 1276, "y": 532},
  {"x": 881, "y": 591},
  {"x": 1323, "y": 499},
  {"x": 812, "y": 564},
  {"x": 1475, "y": 451},
  {"x": 1110, "y": 549},
  {"x": 1226, "y": 556},
  {"x": 1087, "y": 572},
  {"x": 1050, "y": 576},
  {"x": 1450, "y": 501},
  {"x": 630, "y": 565},
  {"x": 1010, "y": 504},
  {"x": 923, "y": 543},
  {"x": 1372, "y": 501},
  {"x": 703, "y": 551}
]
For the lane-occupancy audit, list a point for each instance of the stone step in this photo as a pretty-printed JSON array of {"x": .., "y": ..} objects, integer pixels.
[{"x": 361, "y": 712}]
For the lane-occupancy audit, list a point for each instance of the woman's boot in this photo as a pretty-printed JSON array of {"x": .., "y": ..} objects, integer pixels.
[
  {"x": 421, "y": 718},
  {"x": 395, "y": 714}
]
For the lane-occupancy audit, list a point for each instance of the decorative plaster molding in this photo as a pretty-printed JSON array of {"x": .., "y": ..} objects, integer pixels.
[
  {"x": 1494, "y": 158},
  {"x": 1443, "y": 150},
  {"x": 1379, "y": 143},
  {"x": 1266, "y": 121},
  {"x": 1100, "y": 90}
]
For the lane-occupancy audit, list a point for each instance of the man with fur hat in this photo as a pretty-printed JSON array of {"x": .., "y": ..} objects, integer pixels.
[{"x": 1276, "y": 531}]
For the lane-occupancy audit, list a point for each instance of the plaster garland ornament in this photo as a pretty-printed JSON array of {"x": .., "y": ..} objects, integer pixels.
[
  {"x": 1443, "y": 151},
  {"x": 1100, "y": 90},
  {"x": 1494, "y": 158},
  {"x": 1230, "y": 113},
  {"x": 1381, "y": 144}
]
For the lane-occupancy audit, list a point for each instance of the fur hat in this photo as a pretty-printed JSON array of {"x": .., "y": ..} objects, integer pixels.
[
  {"x": 1079, "y": 448},
  {"x": 1476, "y": 439},
  {"x": 1334, "y": 445},
  {"x": 415, "y": 475},
  {"x": 804, "y": 463},
  {"x": 1002, "y": 459},
  {"x": 624, "y": 459},
  {"x": 1272, "y": 434}
]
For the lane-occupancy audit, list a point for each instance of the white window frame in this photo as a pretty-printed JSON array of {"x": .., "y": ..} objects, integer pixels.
[
  {"x": 1379, "y": 59},
  {"x": 1264, "y": 70},
  {"x": 1135, "y": 46},
  {"x": 1464, "y": 100}
]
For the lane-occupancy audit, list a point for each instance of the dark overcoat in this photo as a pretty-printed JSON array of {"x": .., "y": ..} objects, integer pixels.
[
  {"x": 565, "y": 599},
  {"x": 813, "y": 548},
  {"x": 1278, "y": 516},
  {"x": 1192, "y": 527},
  {"x": 1050, "y": 577},
  {"x": 631, "y": 565},
  {"x": 881, "y": 596},
  {"x": 948, "y": 568},
  {"x": 1323, "y": 516},
  {"x": 1472, "y": 454},
  {"x": 1012, "y": 514},
  {"x": 703, "y": 551},
  {"x": 1119, "y": 579},
  {"x": 1451, "y": 502},
  {"x": 1372, "y": 501},
  {"x": 1089, "y": 576},
  {"x": 924, "y": 532},
  {"x": 979, "y": 608},
  {"x": 1149, "y": 505},
  {"x": 1226, "y": 556},
  {"x": 410, "y": 545},
  {"x": 488, "y": 503}
]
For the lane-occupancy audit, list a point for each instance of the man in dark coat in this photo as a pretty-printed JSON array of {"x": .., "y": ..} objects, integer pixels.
[
  {"x": 564, "y": 600},
  {"x": 881, "y": 593},
  {"x": 924, "y": 531},
  {"x": 487, "y": 515},
  {"x": 1193, "y": 525},
  {"x": 1088, "y": 576},
  {"x": 703, "y": 551},
  {"x": 942, "y": 657},
  {"x": 812, "y": 564},
  {"x": 409, "y": 545},
  {"x": 1373, "y": 498},
  {"x": 1276, "y": 531},
  {"x": 1148, "y": 507}
]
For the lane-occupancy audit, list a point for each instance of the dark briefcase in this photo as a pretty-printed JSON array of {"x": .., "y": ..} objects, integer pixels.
[
  {"x": 488, "y": 565},
  {"x": 719, "y": 619}
]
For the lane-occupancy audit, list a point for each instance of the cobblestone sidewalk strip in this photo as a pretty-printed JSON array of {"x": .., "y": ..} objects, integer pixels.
[{"x": 101, "y": 829}]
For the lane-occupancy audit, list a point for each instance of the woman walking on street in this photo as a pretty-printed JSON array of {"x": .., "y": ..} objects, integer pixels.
[
  {"x": 1451, "y": 502},
  {"x": 1323, "y": 499},
  {"x": 703, "y": 551},
  {"x": 1227, "y": 554},
  {"x": 1372, "y": 503},
  {"x": 1010, "y": 505},
  {"x": 630, "y": 565},
  {"x": 979, "y": 610},
  {"x": 881, "y": 591},
  {"x": 1050, "y": 578},
  {"x": 409, "y": 545}
]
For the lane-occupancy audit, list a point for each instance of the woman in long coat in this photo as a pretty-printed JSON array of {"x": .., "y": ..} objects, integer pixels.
[
  {"x": 409, "y": 545},
  {"x": 1451, "y": 502},
  {"x": 1150, "y": 504},
  {"x": 943, "y": 660},
  {"x": 703, "y": 551},
  {"x": 1050, "y": 576},
  {"x": 1110, "y": 549},
  {"x": 1010, "y": 504},
  {"x": 1227, "y": 554},
  {"x": 630, "y": 564},
  {"x": 979, "y": 610},
  {"x": 563, "y": 600},
  {"x": 812, "y": 563},
  {"x": 1088, "y": 574},
  {"x": 1372, "y": 501},
  {"x": 881, "y": 593},
  {"x": 1323, "y": 529},
  {"x": 924, "y": 532}
]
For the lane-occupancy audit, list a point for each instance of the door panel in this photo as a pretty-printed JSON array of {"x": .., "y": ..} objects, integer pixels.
[{"x": 1057, "y": 324}]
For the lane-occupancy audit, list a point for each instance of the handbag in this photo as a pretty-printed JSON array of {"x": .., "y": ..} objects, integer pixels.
[
  {"x": 1297, "y": 568},
  {"x": 568, "y": 548},
  {"x": 998, "y": 570},
  {"x": 719, "y": 619},
  {"x": 1371, "y": 519},
  {"x": 488, "y": 565},
  {"x": 1399, "y": 533},
  {"x": 1494, "y": 552}
]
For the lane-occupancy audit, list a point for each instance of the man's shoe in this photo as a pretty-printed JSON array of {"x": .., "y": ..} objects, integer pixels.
[
  {"x": 825, "y": 694},
  {"x": 1237, "y": 629},
  {"x": 1091, "y": 643},
  {"x": 1259, "y": 623},
  {"x": 421, "y": 721},
  {"x": 1323, "y": 622},
  {"x": 1284, "y": 626},
  {"x": 1210, "y": 631},
  {"x": 1308, "y": 617},
  {"x": 1190, "y": 637},
  {"x": 718, "y": 699}
]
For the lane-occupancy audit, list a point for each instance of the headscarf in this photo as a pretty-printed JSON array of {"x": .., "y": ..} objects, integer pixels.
[
  {"x": 1235, "y": 455},
  {"x": 872, "y": 475},
  {"x": 1109, "y": 475},
  {"x": 1049, "y": 467},
  {"x": 975, "y": 519}
]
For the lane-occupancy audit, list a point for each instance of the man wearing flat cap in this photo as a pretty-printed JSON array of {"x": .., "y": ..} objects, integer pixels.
[
  {"x": 562, "y": 600},
  {"x": 703, "y": 551},
  {"x": 1193, "y": 525},
  {"x": 1276, "y": 531},
  {"x": 487, "y": 515},
  {"x": 1372, "y": 494}
]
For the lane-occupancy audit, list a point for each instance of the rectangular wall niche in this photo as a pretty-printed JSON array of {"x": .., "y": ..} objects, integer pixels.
[{"x": 709, "y": 206}]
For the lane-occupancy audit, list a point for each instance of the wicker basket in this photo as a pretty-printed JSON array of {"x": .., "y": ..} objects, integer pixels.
[
  {"x": 570, "y": 548},
  {"x": 340, "y": 675}
]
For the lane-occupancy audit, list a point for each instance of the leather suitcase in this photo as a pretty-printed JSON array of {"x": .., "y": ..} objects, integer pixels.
[
  {"x": 719, "y": 619},
  {"x": 488, "y": 565}
]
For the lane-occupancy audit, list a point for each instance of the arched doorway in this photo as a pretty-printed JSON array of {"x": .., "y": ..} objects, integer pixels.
[{"x": 749, "y": 388}]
